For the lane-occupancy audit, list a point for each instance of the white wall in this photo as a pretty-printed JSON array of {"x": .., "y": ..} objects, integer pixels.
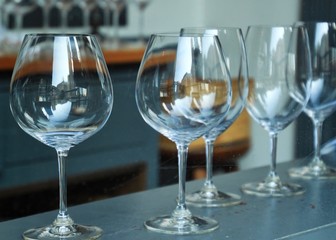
[{"x": 171, "y": 15}]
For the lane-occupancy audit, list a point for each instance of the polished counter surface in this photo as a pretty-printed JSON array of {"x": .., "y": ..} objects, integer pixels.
[
  {"x": 124, "y": 55},
  {"x": 308, "y": 216}
]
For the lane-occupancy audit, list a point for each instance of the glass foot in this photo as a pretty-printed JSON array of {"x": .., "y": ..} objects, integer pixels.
[
  {"x": 313, "y": 172},
  {"x": 212, "y": 199},
  {"x": 181, "y": 226},
  {"x": 71, "y": 232},
  {"x": 279, "y": 190}
]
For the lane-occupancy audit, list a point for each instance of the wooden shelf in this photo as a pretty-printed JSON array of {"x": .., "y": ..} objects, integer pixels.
[
  {"x": 7, "y": 62},
  {"x": 123, "y": 56},
  {"x": 112, "y": 57}
]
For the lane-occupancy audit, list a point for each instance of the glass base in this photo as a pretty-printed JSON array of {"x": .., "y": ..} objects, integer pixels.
[
  {"x": 211, "y": 199},
  {"x": 181, "y": 226},
  {"x": 310, "y": 172},
  {"x": 279, "y": 190},
  {"x": 63, "y": 232}
]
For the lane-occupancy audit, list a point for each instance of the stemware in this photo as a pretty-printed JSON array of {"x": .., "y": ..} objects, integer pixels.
[
  {"x": 116, "y": 6},
  {"x": 183, "y": 89},
  {"x": 46, "y": 6},
  {"x": 142, "y": 5},
  {"x": 61, "y": 94},
  {"x": 64, "y": 7},
  {"x": 233, "y": 46},
  {"x": 322, "y": 101},
  {"x": 280, "y": 78},
  {"x": 20, "y": 8},
  {"x": 87, "y": 6}
]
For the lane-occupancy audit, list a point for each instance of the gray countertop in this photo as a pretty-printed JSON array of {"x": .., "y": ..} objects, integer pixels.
[{"x": 308, "y": 216}]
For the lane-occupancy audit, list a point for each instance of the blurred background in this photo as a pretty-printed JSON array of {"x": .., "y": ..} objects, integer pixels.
[{"x": 127, "y": 155}]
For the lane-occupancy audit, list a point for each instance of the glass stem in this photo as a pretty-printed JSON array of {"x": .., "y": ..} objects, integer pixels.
[
  {"x": 62, "y": 155},
  {"x": 116, "y": 23},
  {"x": 273, "y": 151},
  {"x": 209, "y": 147},
  {"x": 107, "y": 15},
  {"x": 64, "y": 16},
  {"x": 46, "y": 16},
  {"x": 19, "y": 21},
  {"x": 317, "y": 141},
  {"x": 181, "y": 212},
  {"x": 86, "y": 17},
  {"x": 141, "y": 24}
]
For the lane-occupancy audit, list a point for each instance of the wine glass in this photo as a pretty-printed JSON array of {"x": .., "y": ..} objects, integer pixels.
[
  {"x": 86, "y": 6},
  {"x": 182, "y": 90},
  {"x": 61, "y": 94},
  {"x": 116, "y": 6},
  {"x": 46, "y": 6},
  {"x": 233, "y": 46},
  {"x": 64, "y": 7},
  {"x": 20, "y": 8},
  {"x": 141, "y": 5},
  {"x": 2, "y": 14},
  {"x": 322, "y": 101},
  {"x": 280, "y": 78}
]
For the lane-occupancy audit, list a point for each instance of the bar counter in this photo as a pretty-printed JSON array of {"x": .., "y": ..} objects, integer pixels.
[
  {"x": 308, "y": 216},
  {"x": 116, "y": 56}
]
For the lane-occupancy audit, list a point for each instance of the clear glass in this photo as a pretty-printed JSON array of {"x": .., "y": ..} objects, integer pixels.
[
  {"x": 86, "y": 6},
  {"x": 46, "y": 6},
  {"x": 2, "y": 15},
  {"x": 322, "y": 101},
  {"x": 20, "y": 8},
  {"x": 141, "y": 5},
  {"x": 280, "y": 79},
  {"x": 61, "y": 94},
  {"x": 116, "y": 6},
  {"x": 183, "y": 89},
  {"x": 64, "y": 7},
  {"x": 233, "y": 46}
]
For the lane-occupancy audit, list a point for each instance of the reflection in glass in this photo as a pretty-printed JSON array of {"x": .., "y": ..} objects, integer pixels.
[
  {"x": 280, "y": 79},
  {"x": 322, "y": 101},
  {"x": 61, "y": 94},
  {"x": 183, "y": 89},
  {"x": 233, "y": 46}
]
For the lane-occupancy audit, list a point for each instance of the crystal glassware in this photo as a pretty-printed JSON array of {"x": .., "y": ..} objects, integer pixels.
[
  {"x": 280, "y": 78},
  {"x": 141, "y": 5},
  {"x": 322, "y": 101},
  {"x": 116, "y": 6},
  {"x": 86, "y": 7},
  {"x": 61, "y": 94},
  {"x": 182, "y": 90},
  {"x": 64, "y": 7},
  {"x": 20, "y": 8},
  {"x": 233, "y": 46},
  {"x": 46, "y": 6}
]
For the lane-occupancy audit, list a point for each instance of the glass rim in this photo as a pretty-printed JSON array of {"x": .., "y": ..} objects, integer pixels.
[
  {"x": 59, "y": 35},
  {"x": 276, "y": 26},
  {"x": 315, "y": 22},
  {"x": 179, "y": 35},
  {"x": 213, "y": 28}
]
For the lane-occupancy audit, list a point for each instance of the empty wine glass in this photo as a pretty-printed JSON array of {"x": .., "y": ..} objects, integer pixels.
[
  {"x": 64, "y": 7},
  {"x": 116, "y": 6},
  {"x": 280, "y": 77},
  {"x": 182, "y": 90},
  {"x": 322, "y": 101},
  {"x": 233, "y": 46},
  {"x": 141, "y": 5},
  {"x": 46, "y": 6},
  {"x": 61, "y": 94},
  {"x": 87, "y": 6},
  {"x": 20, "y": 8}
]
